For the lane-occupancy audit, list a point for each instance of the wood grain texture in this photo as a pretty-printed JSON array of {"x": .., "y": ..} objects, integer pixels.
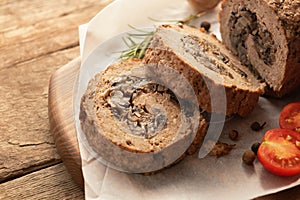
[
  {"x": 55, "y": 184},
  {"x": 41, "y": 27},
  {"x": 25, "y": 142},
  {"x": 61, "y": 118},
  {"x": 36, "y": 38}
]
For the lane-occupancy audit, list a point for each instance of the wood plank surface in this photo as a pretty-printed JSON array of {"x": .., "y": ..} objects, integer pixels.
[
  {"x": 25, "y": 142},
  {"x": 61, "y": 117},
  {"x": 36, "y": 38},
  {"x": 41, "y": 27},
  {"x": 55, "y": 184}
]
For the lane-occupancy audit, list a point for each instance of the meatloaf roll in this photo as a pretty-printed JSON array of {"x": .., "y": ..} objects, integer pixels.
[
  {"x": 265, "y": 35},
  {"x": 216, "y": 75},
  {"x": 135, "y": 123}
]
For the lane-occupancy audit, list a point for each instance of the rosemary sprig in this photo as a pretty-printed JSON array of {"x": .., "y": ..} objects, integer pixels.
[
  {"x": 186, "y": 20},
  {"x": 138, "y": 49}
]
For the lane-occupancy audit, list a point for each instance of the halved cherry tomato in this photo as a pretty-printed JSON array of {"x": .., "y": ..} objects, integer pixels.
[
  {"x": 279, "y": 152},
  {"x": 290, "y": 117}
]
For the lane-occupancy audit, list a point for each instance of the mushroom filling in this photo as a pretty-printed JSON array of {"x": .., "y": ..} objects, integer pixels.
[
  {"x": 126, "y": 98},
  {"x": 200, "y": 48},
  {"x": 243, "y": 24}
]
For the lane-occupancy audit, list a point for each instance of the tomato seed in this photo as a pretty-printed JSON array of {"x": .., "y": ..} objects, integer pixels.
[
  {"x": 283, "y": 162},
  {"x": 288, "y": 137},
  {"x": 295, "y": 160},
  {"x": 297, "y": 143},
  {"x": 288, "y": 120}
]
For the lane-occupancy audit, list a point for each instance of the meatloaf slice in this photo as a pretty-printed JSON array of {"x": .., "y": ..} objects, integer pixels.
[
  {"x": 265, "y": 35},
  {"x": 132, "y": 123},
  {"x": 209, "y": 67}
]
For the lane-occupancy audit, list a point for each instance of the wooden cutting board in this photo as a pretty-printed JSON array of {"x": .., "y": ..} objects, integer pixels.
[
  {"x": 61, "y": 116},
  {"x": 62, "y": 126}
]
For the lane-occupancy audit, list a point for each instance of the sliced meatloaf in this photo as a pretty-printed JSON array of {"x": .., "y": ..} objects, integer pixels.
[
  {"x": 265, "y": 35},
  {"x": 216, "y": 76},
  {"x": 135, "y": 124}
]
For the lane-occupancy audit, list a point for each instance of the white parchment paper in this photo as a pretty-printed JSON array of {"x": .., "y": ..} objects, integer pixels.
[{"x": 193, "y": 178}]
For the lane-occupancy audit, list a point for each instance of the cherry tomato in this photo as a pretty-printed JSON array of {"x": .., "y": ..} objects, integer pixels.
[
  {"x": 279, "y": 152},
  {"x": 290, "y": 117}
]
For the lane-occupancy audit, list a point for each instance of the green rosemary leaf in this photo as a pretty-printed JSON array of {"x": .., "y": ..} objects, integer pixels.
[
  {"x": 186, "y": 20},
  {"x": 133, "y": 43},
  {"x": 159, "y": 20},
  {"x": 189, "y": 19},
  {"x": 137, "y": 49},
  {"x": 145, "y": 46},
  {"x": 138, "y": 34},
  {"x": 126, "y": 43},
  {"x": 137, "y": 29}
]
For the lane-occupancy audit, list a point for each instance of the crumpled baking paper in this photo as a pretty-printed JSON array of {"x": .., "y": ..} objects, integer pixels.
[{"x": 193, "y": 178}]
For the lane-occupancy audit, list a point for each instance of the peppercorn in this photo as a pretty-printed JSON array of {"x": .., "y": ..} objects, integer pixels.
[
  {"x": 255, "y": 147},
  {"x": 255, "y": 126},
  {"x": 248, "y": 157},
  {"x": 205, "y": 25},
  {"x": 233, "y": 135}
]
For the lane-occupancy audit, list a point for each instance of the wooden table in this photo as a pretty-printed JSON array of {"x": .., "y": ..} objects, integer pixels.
[{"x": 37, "y": 38}]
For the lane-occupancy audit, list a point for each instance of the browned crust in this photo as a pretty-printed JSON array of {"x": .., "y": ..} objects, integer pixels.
[
  {"x": 287, "y": 12},
  {"x": 239, "y": 101},
  {"x": 98, "y": 141},
  {"x": 199, "y": 138}
]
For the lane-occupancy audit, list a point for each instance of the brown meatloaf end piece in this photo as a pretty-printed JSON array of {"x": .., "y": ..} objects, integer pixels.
[
  {"x": 114, "y": 114},
  {"x": 265, "y": 35},
  {"x": 208, "y": 66}
]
